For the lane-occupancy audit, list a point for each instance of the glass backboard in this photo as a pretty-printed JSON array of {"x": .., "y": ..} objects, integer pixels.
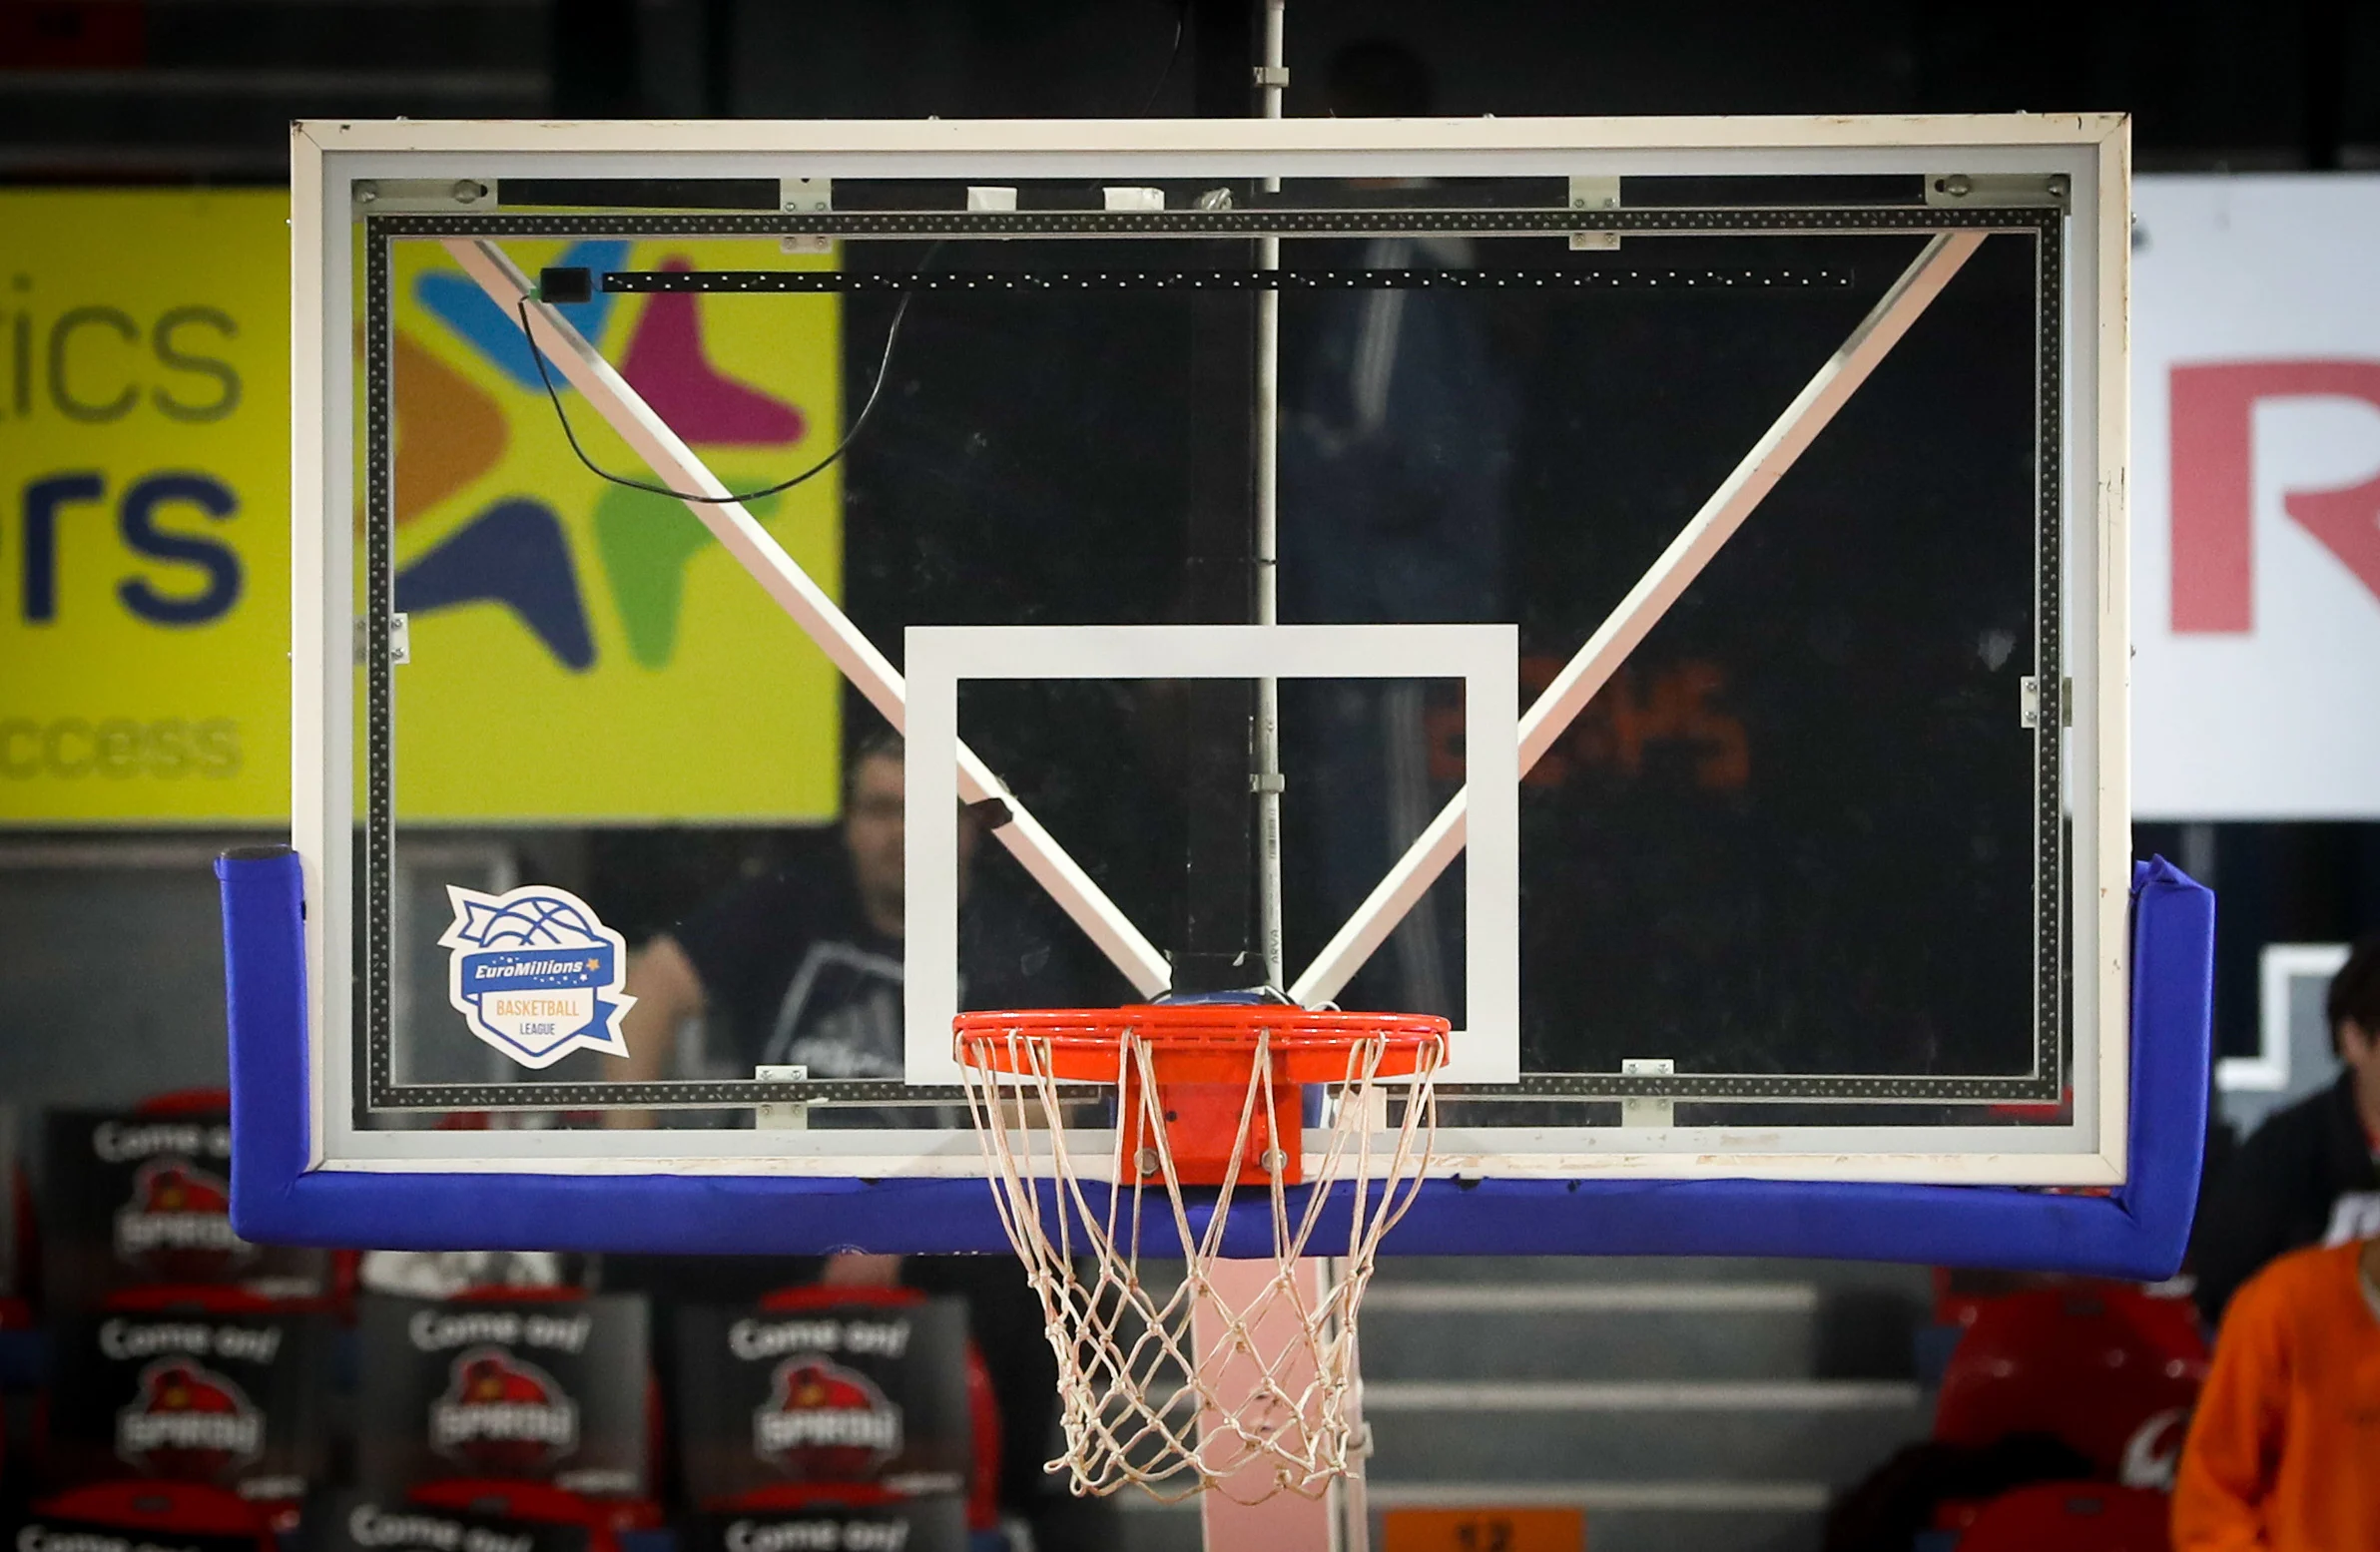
[{"x": 1649, "y": 592}]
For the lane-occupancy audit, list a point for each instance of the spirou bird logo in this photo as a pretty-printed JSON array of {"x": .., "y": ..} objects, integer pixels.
[
  {"x": 188, "y": 1422},
  {"x": 177, "y": 1224},
  {"x": 825, "y": 1422},
  {"x": 501, "y": 1416}
]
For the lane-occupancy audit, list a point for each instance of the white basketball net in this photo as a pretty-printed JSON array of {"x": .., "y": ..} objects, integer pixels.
[{"x": 1264, "y": 1408}]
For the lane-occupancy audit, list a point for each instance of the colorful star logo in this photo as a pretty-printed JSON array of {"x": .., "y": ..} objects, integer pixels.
[{"x": 516, "y": 549}]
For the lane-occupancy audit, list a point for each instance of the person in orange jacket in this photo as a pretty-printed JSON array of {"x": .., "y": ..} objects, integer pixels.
[{"x": 2284, "y": 1452}]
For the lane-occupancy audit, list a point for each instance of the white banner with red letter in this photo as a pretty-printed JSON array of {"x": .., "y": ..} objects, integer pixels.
[{"x": 2256, "y": 497}]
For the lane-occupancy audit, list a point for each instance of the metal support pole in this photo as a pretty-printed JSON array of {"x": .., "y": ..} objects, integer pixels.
[
  {"x": 1216, "y": 948},
  {"x": 1272, "y": 80},
  {"x": 1287, "y": 1522}
]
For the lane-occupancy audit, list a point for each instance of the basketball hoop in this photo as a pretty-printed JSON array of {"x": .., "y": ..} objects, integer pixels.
[{"x": 1208, "y": 1095}]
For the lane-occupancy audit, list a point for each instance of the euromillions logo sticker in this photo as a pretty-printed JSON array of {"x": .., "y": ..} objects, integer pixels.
[{"x": 535, "y": 974}]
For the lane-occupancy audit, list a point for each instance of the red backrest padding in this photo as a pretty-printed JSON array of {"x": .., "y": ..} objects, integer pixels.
[
  {"x": 187, "y": 1102},
  {"x": 2071, "y": 1517},
  {"x": 821, "y": 1296},
  {"x": 193, "y": 1508},
  {"x": 540, "y": 1503},
  {"x": 2106, "y": 1367}
]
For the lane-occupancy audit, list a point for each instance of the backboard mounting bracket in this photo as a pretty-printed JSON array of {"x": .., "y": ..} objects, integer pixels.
[
  {"x": 806, "y": 195},
  {"x": 2012, "y": 190},
  {"x": 1646, "y": 1110},
  {"x": 2029, "y": 702},
  {"x": 1589, "y": 193},
  {"x": 421, "y": 196},
  {"x": 400, "y": 638}
]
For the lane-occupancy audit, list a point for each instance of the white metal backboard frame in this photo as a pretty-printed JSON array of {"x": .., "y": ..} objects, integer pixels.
[{"x": 2091, "y": 152}]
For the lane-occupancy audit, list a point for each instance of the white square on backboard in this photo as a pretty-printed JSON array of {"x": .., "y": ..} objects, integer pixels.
[{"x": 1484, "y": 656}]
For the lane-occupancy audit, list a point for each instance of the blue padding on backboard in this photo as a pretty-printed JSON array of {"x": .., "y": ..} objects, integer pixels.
[{"x": 2136, "y": 1229}]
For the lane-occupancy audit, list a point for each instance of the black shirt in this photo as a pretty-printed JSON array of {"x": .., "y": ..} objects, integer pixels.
[
  {"x": 793, "y": 971},
  {"x": 2281, "y": 1191}
]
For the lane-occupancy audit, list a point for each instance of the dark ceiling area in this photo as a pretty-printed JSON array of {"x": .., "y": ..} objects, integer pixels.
[{"x": 148, "y": 90}]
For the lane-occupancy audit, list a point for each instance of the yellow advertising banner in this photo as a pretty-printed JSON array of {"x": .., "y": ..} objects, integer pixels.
[
  {"x": 144, "y": 507},
  {"x": 581, "y": 651}
]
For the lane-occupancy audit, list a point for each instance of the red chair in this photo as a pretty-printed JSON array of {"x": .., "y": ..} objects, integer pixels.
[
  {"x": 162, "y": 1509},
  {"x": 1961, "y": 1293},
  {"x": 186, "y": 1102},
  {"x": 2071, "y": 1517},
  {"x": 206, "y": 1299},
  {"x": 2104, "y": 1368}
]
